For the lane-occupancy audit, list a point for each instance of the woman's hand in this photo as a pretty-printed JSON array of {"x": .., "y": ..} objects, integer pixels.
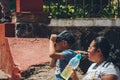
[{"x": 74, "y": 75}]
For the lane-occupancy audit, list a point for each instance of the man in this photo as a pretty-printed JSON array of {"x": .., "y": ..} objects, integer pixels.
[{"x": 61, "y": 52}]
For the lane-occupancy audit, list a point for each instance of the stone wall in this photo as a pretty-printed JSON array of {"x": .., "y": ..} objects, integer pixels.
[
  {"x": 87, "y": 29},
  {"x": 84, "y": 35}
]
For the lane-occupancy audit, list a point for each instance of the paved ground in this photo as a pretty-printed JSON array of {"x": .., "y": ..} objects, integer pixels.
[
  {"x": 44, "y": 72},
  {"x": 41, "y": 72}
]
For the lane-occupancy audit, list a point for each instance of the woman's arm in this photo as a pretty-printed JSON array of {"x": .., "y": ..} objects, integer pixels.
[
  {"x": 109, "y": 77},
  {"x": 74, "y": 75}
]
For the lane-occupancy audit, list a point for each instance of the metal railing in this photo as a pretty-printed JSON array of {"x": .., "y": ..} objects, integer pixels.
[{"x": 82, "y": 8}]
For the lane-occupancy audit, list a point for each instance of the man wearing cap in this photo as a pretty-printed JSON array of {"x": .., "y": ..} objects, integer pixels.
[{"x": 61, "y": 52}]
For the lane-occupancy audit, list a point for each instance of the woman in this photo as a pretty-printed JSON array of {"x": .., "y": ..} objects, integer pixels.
[
  {"x": 106, "y": 60},
  {"x": 104, "y": 65}
]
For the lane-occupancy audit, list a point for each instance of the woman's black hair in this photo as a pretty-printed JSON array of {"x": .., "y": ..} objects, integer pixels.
[{"x": 110, "y": 53}]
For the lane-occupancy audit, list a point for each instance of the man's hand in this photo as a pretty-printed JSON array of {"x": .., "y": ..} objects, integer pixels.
[{"x": 53, "y": 37}]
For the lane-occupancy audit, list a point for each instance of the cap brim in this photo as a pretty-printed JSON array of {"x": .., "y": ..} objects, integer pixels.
[{"x": 58, "y": 39}]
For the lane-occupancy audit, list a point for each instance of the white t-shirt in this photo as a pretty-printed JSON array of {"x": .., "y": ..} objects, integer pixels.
[{"x": 95, "y": 73}]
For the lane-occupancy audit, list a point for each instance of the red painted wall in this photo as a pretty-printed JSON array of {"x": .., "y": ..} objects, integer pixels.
[{"x": 29, "y": 5}]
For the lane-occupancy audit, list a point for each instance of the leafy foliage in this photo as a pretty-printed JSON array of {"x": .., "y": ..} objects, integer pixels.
[{"x": 63, "y": 9}]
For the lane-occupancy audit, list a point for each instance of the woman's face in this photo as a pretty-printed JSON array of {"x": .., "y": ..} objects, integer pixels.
[{"x": 92, "y": 52}]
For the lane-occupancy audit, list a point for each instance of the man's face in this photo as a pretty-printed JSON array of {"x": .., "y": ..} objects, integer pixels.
[{"x": 59, "y": 46}]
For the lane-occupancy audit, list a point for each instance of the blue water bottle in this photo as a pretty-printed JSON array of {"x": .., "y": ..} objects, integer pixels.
[{"x": 73, "y": 64}]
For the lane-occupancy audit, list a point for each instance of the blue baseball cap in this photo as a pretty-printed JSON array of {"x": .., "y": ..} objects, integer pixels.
[{"x": 67, "y": 36}]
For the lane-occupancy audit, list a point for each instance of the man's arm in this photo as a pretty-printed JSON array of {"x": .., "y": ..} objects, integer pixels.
[
  {"x": 53, "y": 62},
  {"x": 52, "y": 51}
]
